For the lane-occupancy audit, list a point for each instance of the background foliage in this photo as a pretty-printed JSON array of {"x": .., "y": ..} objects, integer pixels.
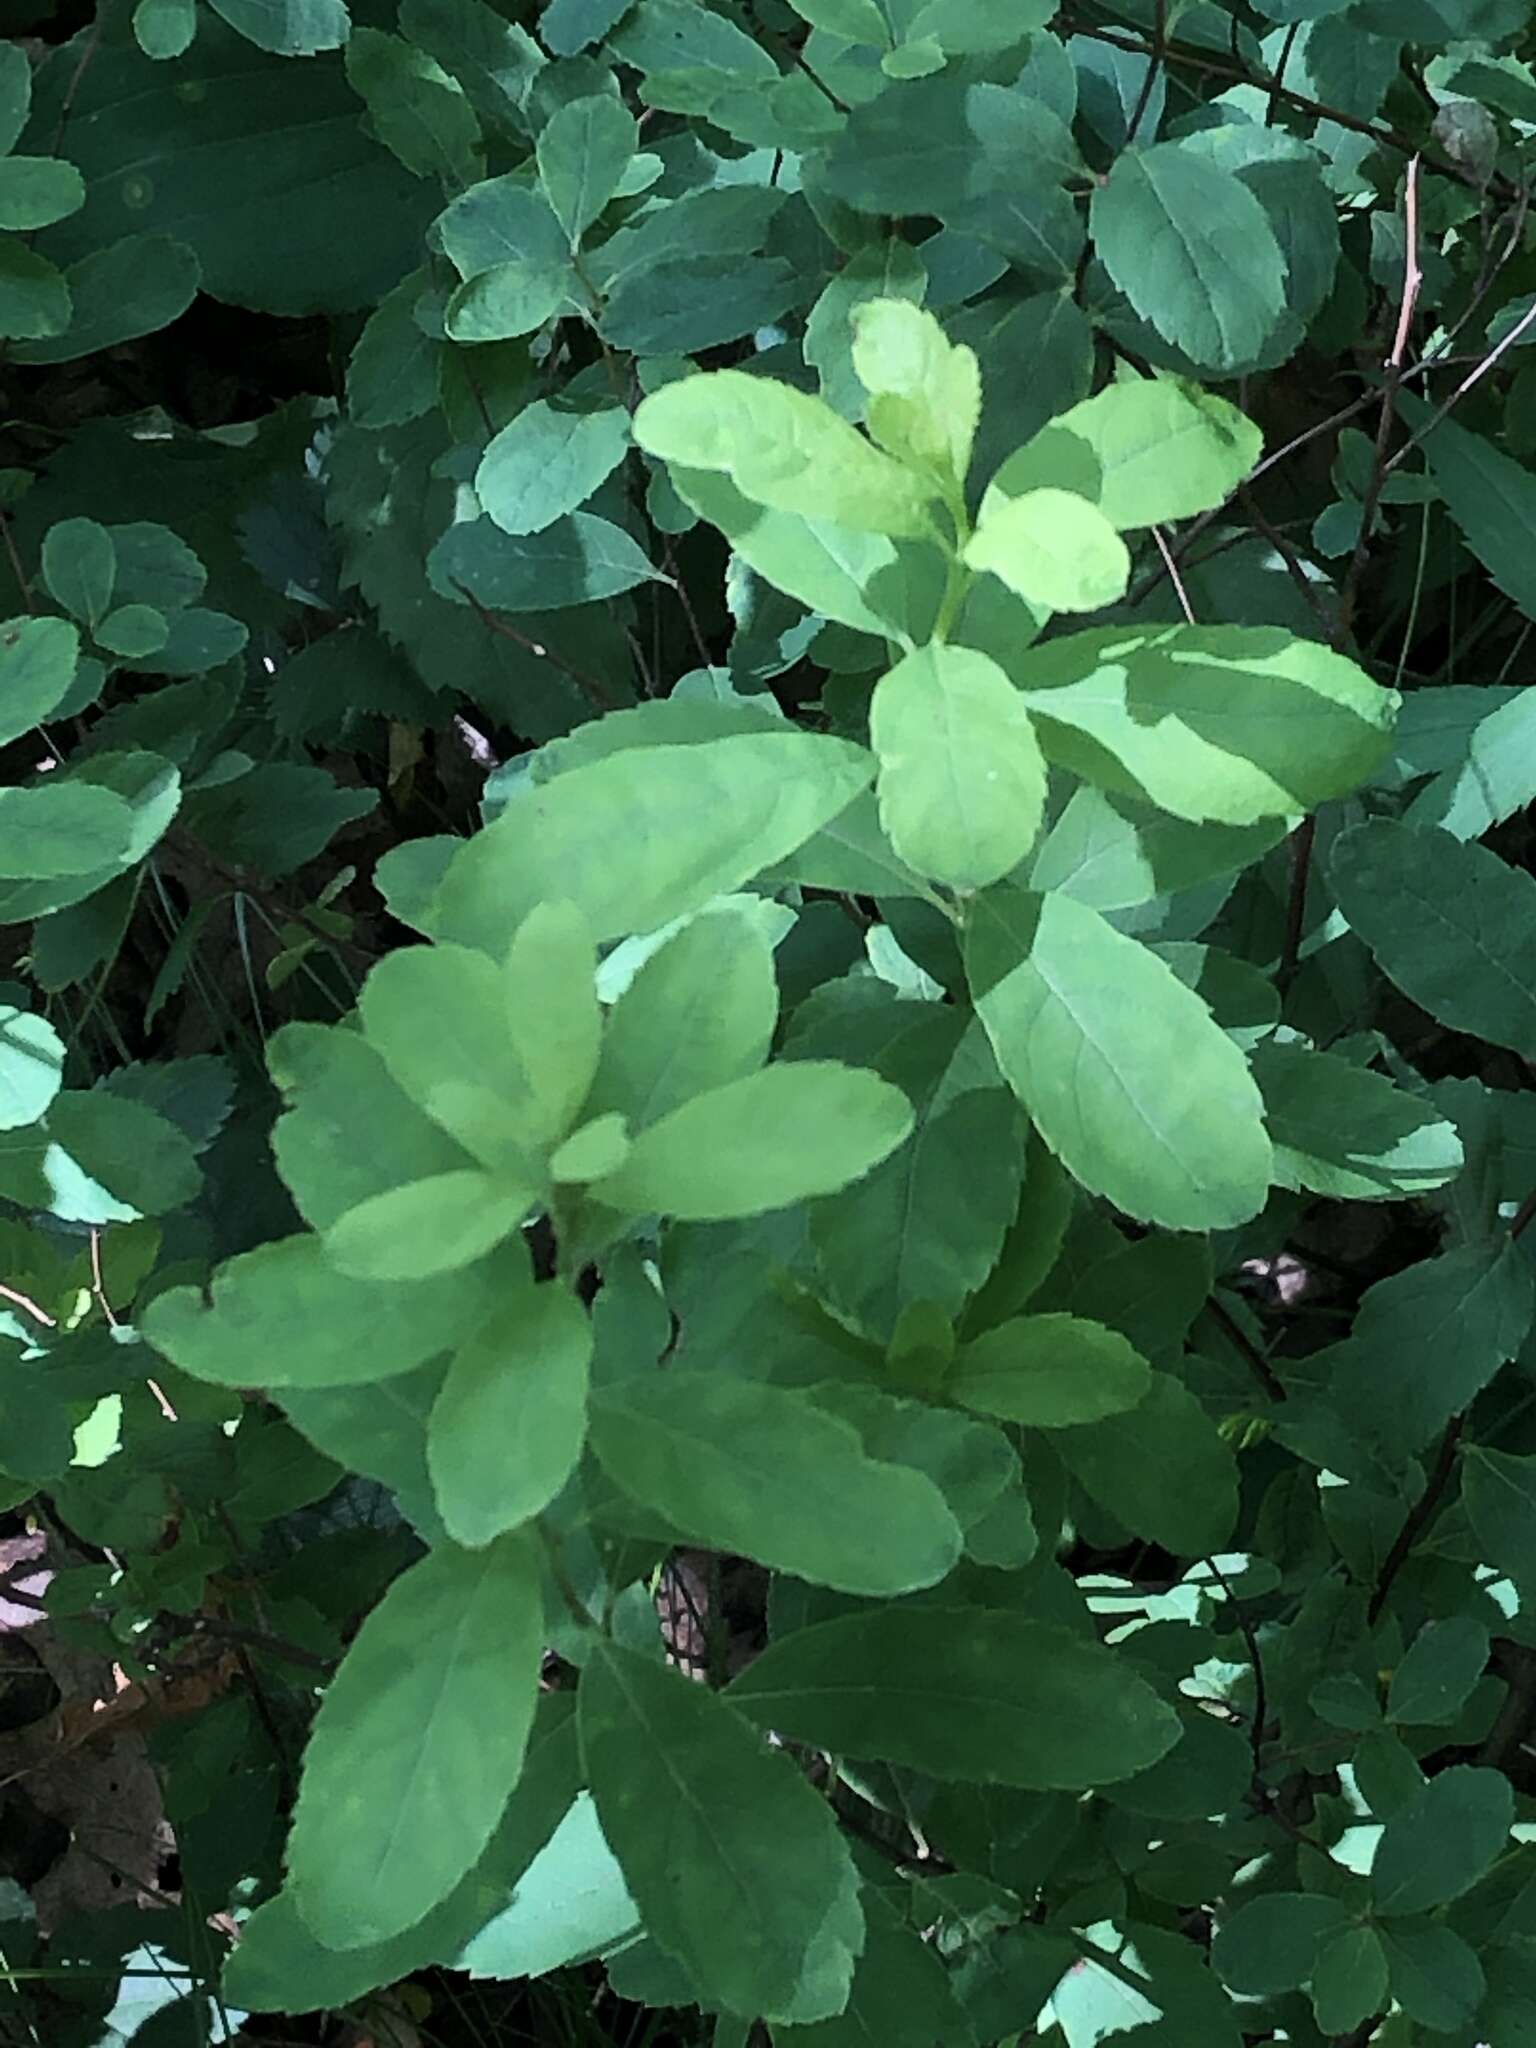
[{"x": 768, "y": 906}]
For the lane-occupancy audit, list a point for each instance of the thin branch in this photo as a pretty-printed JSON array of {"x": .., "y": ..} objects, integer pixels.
[
  {"x": 1173, "y": 576},
  {"x": 593, "y": 685},
  {"x": 1155, "y": 60},
  {"x": 1277, "y": 83},
  {"x": 1413, "y": 279},
  {"x": 1294, "y": 566},
  {"x": 1213, "y": 67},
  {"x": 1251, "y": 1355},
  {"x": 1304, "y": 837},
  {"x": 1301, "y": 844},
  {"x": 1260, "y": 1688},
  {"x": 1418, "y": 1515},
  {"x": 1485, "y": 364},
  {"x": 26, "y": 1303}
]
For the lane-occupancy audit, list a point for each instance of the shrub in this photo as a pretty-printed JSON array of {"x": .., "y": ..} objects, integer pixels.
[{"x": 766, "y": 1079}]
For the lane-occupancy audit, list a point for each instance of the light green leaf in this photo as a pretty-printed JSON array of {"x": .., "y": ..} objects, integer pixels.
[
  {"x": 1054, "y": 549},
  {"x": 507, "y": 1427},
  {"x": 1223, "y": 723},
  {"x": 416, "y": 110},
  {"x": 583, "y": 150},
  {"x": 31, "y": 1066},
  {"x": 1439, "y": 1844},
  {"x": 428, "y": 1226},
  {"x": 510, "y": 300},
  {"x": 1115, "y": 853},
  {"x": 576, "y": 559},
  {"x": 80, "y": 567},
  {"x": 1493, "y": 777},
  {"x": 282, "y": 1316},
  {"x": 37, "y": 666},
  {"x": 35, "y": 191},
  {"x": 553, "y": 1018},
  {"x": 58, "y": 829},
  {"x": 1452, "y": 924},
  {"x": 1340, "y": 1130},
  {"x": 1145, "y": 451},
  {"x": 890, "y": 269},
  {"x": 1048, "y": 1372},
  {"x": 500, "y": 221},
  {"x": 783, "y": 449},
  {"x": 418, "y": 1743},
  {"x": 595, "y": 1149},
  {"x": 962, "y": 778},
  {"x": 136, "y": 285},
  {"x": 1193, "y": 251},
  {"x": 288, "y": 28},
  {"x": 1127, "y": 1077},
  {"x": 350, "y": 1131},
  {"x": 924, "y": 390},
  {"x": 571, "y": 1907},
  {"x": 1022, "y": 1702},
  {"x": 150, "y": 787},
  {"x": 379, "y": 1429},
  {"x": 699, "y": 1013},
  {"x": 859, "y": 579},
  {"x": 765, "y": 1472},
  {"x": 736, "y": 1863},
  {"x": 439, "y": 1018},
  {"x": 1442, "y": 1664},
  {"x": 545, "y": 463},
  {"x": 279, "y": 1966},
  {"x": 1159, "y": 1468},
  {"x": 791, "y": 1131},
  {"x": 648, "y": 834},
  {"x": 164, "y": 28}
]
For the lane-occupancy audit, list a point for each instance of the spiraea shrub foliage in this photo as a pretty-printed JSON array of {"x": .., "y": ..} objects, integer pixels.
[{"x": 766, "y": 1052}]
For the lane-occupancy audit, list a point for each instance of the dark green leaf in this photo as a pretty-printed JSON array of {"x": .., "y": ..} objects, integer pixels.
[
  {"x": 1049, "y": 1372},
  {"x": 418, "y": 1743},
  {"x": 280, "y": 1316},
  {"x": 331, "y": 222},
  {"x": 1161, "y": 1468},
  {"x": 1439, "y": 1844},
  {"x": 737, "y": 1865},
  {"x": 1452, "y": 924},
  {"x": 764, "y": 1471},
  {"x": 1193, "y": 251},
  {"x": 1341, "y": 1130},
  {"x": 1022, "y": 1702}
]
